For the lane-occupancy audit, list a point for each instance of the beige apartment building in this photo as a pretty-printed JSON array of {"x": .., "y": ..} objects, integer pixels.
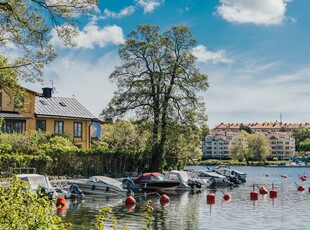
[{"x": 216, "y": 145}]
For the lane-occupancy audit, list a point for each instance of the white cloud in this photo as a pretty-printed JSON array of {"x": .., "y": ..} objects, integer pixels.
[
  {"x": 93, "y": 35},
  {"x": 148, "y": 5},
  {"x": 124, "y": 12},
  {"x": 84, "y": 77},
  {"x": 265, "y": 12},
  {"x": 239, "y": 96},
  {"x": 205, "y": 56}
]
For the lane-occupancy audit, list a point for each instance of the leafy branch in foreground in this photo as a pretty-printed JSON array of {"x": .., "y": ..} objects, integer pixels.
[
  {"x": 26, "y": 31},
  {"x": 22, "y": 209}
]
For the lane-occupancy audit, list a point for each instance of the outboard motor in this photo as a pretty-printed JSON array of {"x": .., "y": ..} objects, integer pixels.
[
  {"x": 130, "y": 186},
  {"x": 75, "y": 191}
]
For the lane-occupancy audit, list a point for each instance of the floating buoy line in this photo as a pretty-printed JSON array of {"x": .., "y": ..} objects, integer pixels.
[{"x": 164, "y": 200}]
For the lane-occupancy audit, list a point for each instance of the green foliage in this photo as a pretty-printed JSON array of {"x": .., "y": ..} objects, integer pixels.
[
  {"x": 21, "y": 209},
  {"x": 259, "y": 147},
  {"x": 304, "y": 145},
  {"x": 104, "y": 215},
  {"x": 238, "y": 148},
  {"x": 159, "y": 81},
  {"x": 301, "y": 134},
  {"x": 183, "y": 144},
  {"x": 149, "y": 216},
  {"x": 245, "y": 128},
  {"x": 26, "y": 27},
  {"x": 123, "y": 136}
]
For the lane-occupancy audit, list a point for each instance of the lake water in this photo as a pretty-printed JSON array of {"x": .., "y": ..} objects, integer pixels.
[{"x": 188, "y": 210}]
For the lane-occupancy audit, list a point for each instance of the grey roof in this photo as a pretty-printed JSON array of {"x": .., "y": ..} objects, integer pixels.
[
  {"x": 61, "y": 107},
  {"x": 12, "y": 116}
]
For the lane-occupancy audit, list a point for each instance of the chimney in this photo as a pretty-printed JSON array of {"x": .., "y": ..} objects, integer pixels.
[{"x": 47, "y": 92}]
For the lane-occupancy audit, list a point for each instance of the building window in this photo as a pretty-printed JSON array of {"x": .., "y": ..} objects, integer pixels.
[
  {"x": 41, "y": 125},
  {"x": 19, "y": 103},
  {"x": 11, "y": 126},
  {"x": 77, "y": 129},
  {"x": 59, "y": 127}
]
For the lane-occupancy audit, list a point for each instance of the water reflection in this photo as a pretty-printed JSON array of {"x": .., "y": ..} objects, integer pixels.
[{"x": 188, "y": 210}]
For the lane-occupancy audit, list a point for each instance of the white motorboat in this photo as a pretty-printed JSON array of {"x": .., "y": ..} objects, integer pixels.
[
  {"x": 101, "y": 185},
  {"x": 39, "y": 184},
  {"x": 212, "y": 179},
  {"x": 232, "y": 175},
  {"x": 186, "y": 183}
]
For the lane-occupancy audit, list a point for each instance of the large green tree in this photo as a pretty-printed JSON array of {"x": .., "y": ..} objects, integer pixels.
[
  {"x": 238, "y": 148},
  {"x": 301, "y": 134},
  {"x": 159, "y": 81},
  {"x": 259, "y": 146},
  {"x": 26, "y": 27}
]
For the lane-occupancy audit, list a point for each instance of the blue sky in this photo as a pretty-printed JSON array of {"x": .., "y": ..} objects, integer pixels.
[{"x": 255, "y": 52}]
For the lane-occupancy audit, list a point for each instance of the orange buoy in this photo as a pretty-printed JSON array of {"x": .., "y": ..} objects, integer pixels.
[
  {"x": 130, "y": 207},
  {"x": 61, "y": 202},
  {"x": 301, "y": 188},
  {"x": 210, "y": 199},
  {"x": 263, "y": 190},
  {"x": 227, "y": 196},
  {"x": 130, "y": 200}
]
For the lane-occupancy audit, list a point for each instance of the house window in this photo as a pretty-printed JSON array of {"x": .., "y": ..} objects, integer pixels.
[
  {"x": 19, "y": 103},
  {"x": 11, "y": 126},
  {"x": 59, "y": 127},
  {"x": 41, "y": 125},
  {"x": 77, "y": 129}
]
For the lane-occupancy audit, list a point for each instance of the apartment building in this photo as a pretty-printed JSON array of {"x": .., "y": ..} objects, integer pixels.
[
  {"x": 216, "y": 145},
  {"x": 261, "y": 127}
]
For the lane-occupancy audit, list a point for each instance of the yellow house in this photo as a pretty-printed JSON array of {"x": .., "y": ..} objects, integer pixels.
[
  {"x": 60, "y": 115},
  {"x": 15, "y": 119}
]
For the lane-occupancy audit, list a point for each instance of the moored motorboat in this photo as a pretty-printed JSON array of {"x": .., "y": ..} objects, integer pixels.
[
  {"x": 101, "y": 185},
  {"x": 186, "y": 183},
  {"x": 232, "y": 175},
  {"x": 39, "y": 184},
  {"x": 212, "y": 179},
  {"x": 156, "y": 181}
]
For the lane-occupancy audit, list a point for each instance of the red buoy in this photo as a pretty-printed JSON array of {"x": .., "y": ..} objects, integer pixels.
[
  {"x": 61, "y": 202},
  {"x": 254, "y": 196},
  {"x": 309, "y": 189},
  {"x": 301, "y": 188},
  {"x": 266, "y": 175},
  {"x": 263, "y": 190},
  {"x": 210, "y": 199},
  {"x": 273, "y": 194},
  {"x": 130, "y": 207},
  {"x": 164, "y": 199},
  {"x": 303, "y": 178},
  {"x": 130, "y": 200},
  {"x": 227, "y": 197}
]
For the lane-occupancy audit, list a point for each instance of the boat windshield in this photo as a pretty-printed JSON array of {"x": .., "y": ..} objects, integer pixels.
[
  {"x": 106, "y": 180},
  {"x": 36, "y": 181},
  {"x": 160, "y": 177}
]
